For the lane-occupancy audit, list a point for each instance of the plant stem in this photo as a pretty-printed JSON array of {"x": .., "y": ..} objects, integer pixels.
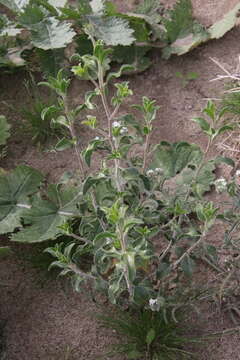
[
  {"x": 123, "y": 242},
  {"x": 79, "y": 238},
  {"x": 145, "y": 153},
  {"x": 73, "y": 136},
  {"x": 189, "y": 250},
  {"x": 110, "y": 117},
  {"x": 75, "y": 269}
]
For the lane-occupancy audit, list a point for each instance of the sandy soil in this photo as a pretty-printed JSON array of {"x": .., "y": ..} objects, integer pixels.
[{"x": 45, "y": 320}]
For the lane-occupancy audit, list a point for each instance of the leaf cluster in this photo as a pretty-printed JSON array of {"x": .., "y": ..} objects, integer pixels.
[
  {"x": 142, "y": 219},
  {"x": 53, "y": 25},
  {"x": 147, "y": 335}
]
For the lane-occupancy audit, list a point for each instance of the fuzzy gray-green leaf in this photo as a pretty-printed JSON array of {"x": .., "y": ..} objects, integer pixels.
[
  {"x": 112, "y": 30},
  {"x": 14, "y": 191},
  {"x": 173, "y": 158},
  {"x": 52, "y": 34},
  {"x": 47, "y": 215}
]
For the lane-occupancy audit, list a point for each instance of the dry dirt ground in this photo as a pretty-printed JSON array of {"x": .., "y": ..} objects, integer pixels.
[{"x": 43, "y": 319}]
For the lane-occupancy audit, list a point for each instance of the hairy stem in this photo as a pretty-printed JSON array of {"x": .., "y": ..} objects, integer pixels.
[
  {"x": 145, "y": 153},
  {"x": 73, "y": 136},
  {"x": 189, "y": 250}
]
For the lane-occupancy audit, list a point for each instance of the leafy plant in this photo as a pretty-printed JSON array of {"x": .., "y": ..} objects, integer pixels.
[
  {"x": 35, "y": 122},
  {"x": 51, "y": 25},
  {"x": 145, "y": 334},
  {"x": 141, "y": 220}
]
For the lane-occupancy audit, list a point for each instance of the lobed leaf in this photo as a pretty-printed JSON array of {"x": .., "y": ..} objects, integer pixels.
[
  {"x": 173, "y": 158},
  {"x": 15, "y": 189},
  {"x": 52, "y": 34},
  {"x": 112, "y": 30},
  {"x": 46, "y": 216}
]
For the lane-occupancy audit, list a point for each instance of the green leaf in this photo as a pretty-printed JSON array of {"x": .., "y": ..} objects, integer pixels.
[
  {"x": 123, "y": 69},
  {"x": 151, "y": 335},
  {"x": 4, "y": 130},
  {"x": 47, "y": 215},
  {"x": 173, "y": 158},
  {"x": 187, "y": 265},
  {"x": 151, "y": 9},
  {"x": 223, "y": 129},
  {"x": 91, "y": 121},
  {"x": 180, "y": 20},
  {"x": 204, "y": 125},
  {"x": 15, "y": 5},
  {"x": 50, "y": 61},
  {"x": 103, "y": 239},
  {"x": 134, "y": 55},
  {"x": 163, "y": 270},
  {"x": 129, "y": 257},
  {"x": 115, "y": 289},
  {"x": 52, "y": 34},
  {"x": 225, "y": 160},
  {"x": 184, "y": 45},
  {"x": 222, "y": 26},
  {"x": 204, "y": 179},
  {"x": 112, "y": 30},
  {"x": 92, "y": 146},
  {"x": 130, "y": 222},
  {"x": 14, "y": 191},
  {"x": 63, "y": 144},
  {"x": 31, "y": 17}
]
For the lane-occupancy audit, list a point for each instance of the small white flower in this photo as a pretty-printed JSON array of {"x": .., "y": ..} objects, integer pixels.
[
  {"x": 237, "y": 173},
  {"x": 116, "y": 124},
  {"x": 220, "y": 184},
  {"x": 150, "y": 172},
  {"x": 124, "y": 130},
  {"x": 152, "y": 302},
  {"x": 97, "y": 138}
]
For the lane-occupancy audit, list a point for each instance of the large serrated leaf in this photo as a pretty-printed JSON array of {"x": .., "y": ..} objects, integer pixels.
[
  {"x": 173, "y": 158},
  {"x": 15, "y": 5},
  {"x": 4, "y": 130},
  {"x": 14, "y": 191},
  {"x": 52, "y": 34},
  {"x": 112, "y": 30},
  {"x": 149, "y": 10},
  {"x": 47, "y": 215},
  {"x": 222, "y": 26}
]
